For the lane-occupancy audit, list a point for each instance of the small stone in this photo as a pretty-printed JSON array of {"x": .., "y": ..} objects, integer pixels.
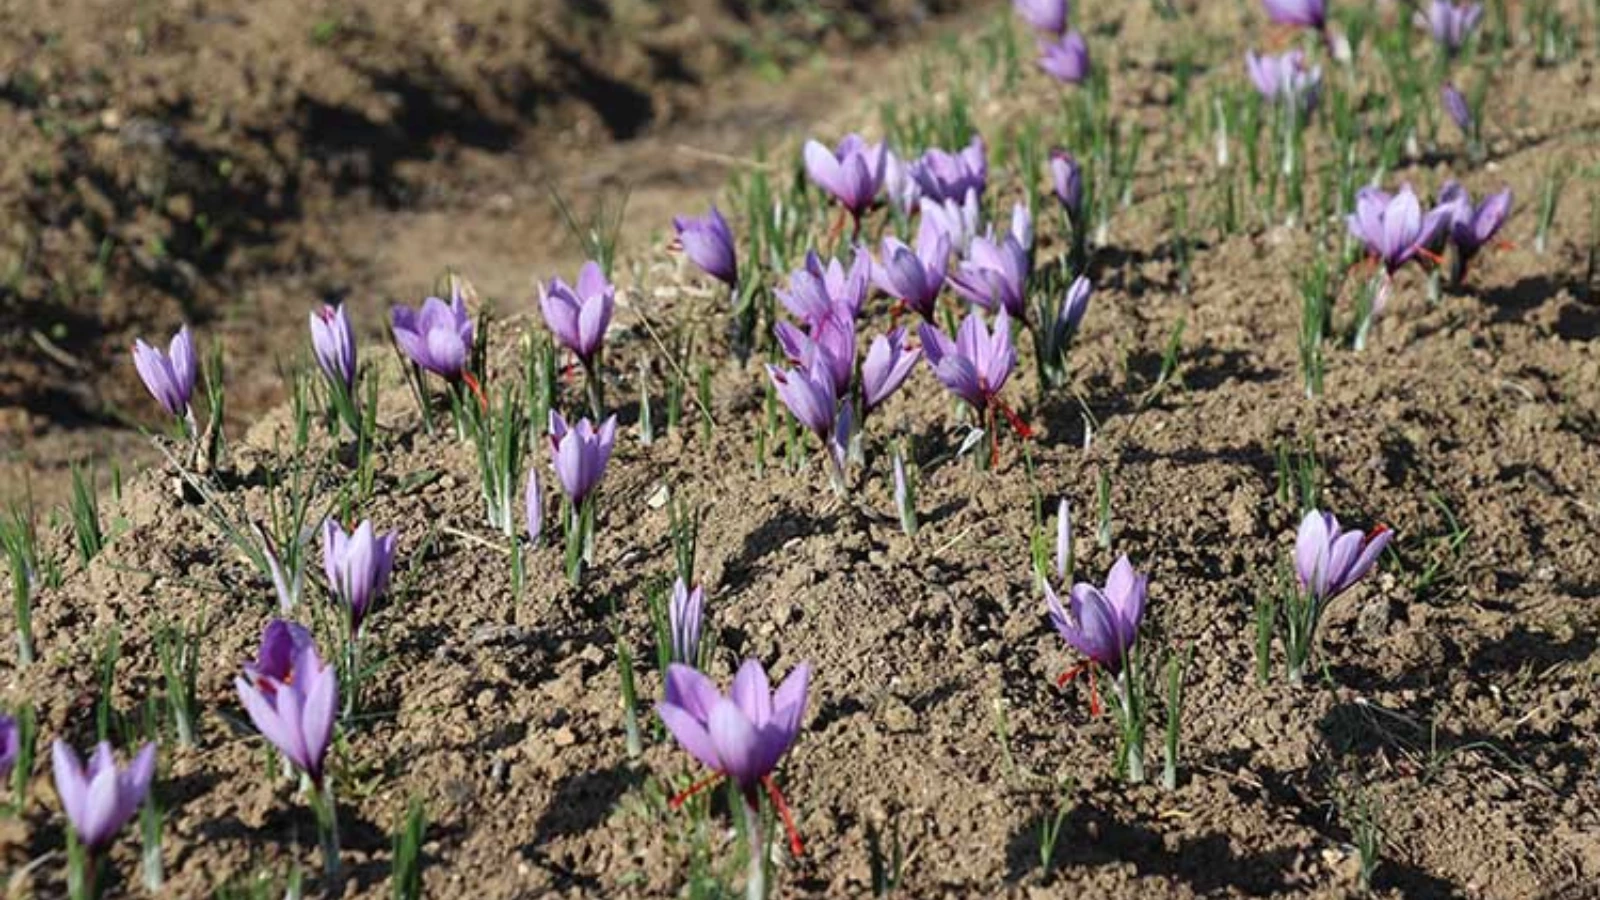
[
  {"x": 563, "y": 737},
  {"x": 897, "y": 717}
]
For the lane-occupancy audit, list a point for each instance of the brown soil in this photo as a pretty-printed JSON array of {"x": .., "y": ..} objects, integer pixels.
[{"x": 1464, "y": 713}]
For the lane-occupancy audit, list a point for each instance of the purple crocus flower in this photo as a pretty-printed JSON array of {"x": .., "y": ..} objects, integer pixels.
[
  {"x": 1067, "y": 179},
  {"x": 1328, "y": 561},
  {"x": 1102, "y": 624},
  {"x": 1022, "y": 226},
  {"x": 1471, "y": 227},
  {"x": 579, "y": 315},
  {"x": 685, "y": 615},
  {"x": 357, "y": 566},
  {"x": 333, "y": 342},
  {"x": 581, "y": 453},
  {"x": 281, "y": 644},
  {"x": 915, "y": 277},
  {"x": 1300, "y": 13},
  {"x": 958, "y": 221},
  {"x": 10, "y": 744},
  {"x": 942, "y": 175},
  {"x": 437, "y": 337},
  {"x": 831, "y": 344},
  {"x": 994, "y": 275},
  {"x": 821, "y": 293},
  {"x": 1455, "y": 106},
  {"x": 1049, "y": 16},
  {"x": 295, "y": 712},
  {"x": 852, "y": 173},
  {"x": 809, "y": 393},
  {"x": 168, "y": 376},
  {"x": 977, "y": 363},
  {"x": 1285, "y": 79},
  {"x": 742, "y": 735},
  {"x": 708, "y": 243},
  {"x": 101, "y": 798},
  {"x": 1393, "y": 227},
  {"x": 887, "y": 365},
  {"x": 1073, "y": 307},
  {"x": 1451, "y": 24},
  {"x": 1066, "y": 59},
  {"x": 899, "y": 186}
]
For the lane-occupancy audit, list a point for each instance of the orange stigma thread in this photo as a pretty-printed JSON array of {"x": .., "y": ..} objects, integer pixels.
[
  {"x": 783, "y": 813},
  {"x": 695, "y": 788},
  {"x": 477, "y": 389}
]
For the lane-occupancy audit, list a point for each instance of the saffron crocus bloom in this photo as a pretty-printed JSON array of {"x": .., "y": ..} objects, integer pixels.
[
  {"x": 581, "y": 453},
  {"x": 977, "y": 363},
  {"x": 820, "y": 293},
  {"x": 899, "y": 186},
  {"x": 1067, "y": 179},
  {"x": 333, "y": 342},
  {"x": 1328, "y": 561},
  {"x": 101, "y": 798},
  {"x": 1073, "y": 307},
  {"x": 1471, "y": 228},
  {"x": 1456, "y": 107},
  {"x": 915, "y": 277},
  {"x": 168, "y": 376},
  {"x": 438, "y": 336},
  {"x": 1300, "y": 13},
  {"x": 1285, "y": 79},
  {"x": 1102, "y": 624},
  {"x": 281, "y": 644},
  {"x": 357, "y": 565},
  {"x": 685, "y": 614},
  {"x": 958, "y": 221},
  {"x": 1022, "y": 225},
  {"x": 1066, "y": 60},
  {"x": 831, "y": 344},
  {"x": 809, "y": 393},
  {"x": 708, "y": 243},
  {"x": 1044, "y": 15},
  {"x": 887, "y": 365},
  {"x": 579, "y": 315},
  {"x": 1393, "y": 228},
  {"x": 852, "y": 173},
  {"x": 10, "y": 744},
  {"x": 295, "y": 712},
  {"x": 1451, "y": 24},
  {"x": 1063, "y": 540},
  {"x": 994, "y": 275},
  {"x": 742, "y": 735},
  {"x": 942, "y": 175}
]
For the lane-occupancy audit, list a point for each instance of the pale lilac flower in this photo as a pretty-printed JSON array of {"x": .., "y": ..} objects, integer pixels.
[
  {"x": 357, "y": 566},
  {"x": 821, "y": 293},
  {"x": 994, "y": 275},
  {"x": 1302, "y": 13},
  {"x": 535, "y": 506},
  {"x": 832, "y": 345},
  {"x": 1022, "y": 225},
  {"x": 1328, "y": 560},
  {"x": 1067, "y": 179},
  {"x": 958, "y": 221},
  {"x": 1393, "y": 227},
  {"x": 168, "y": 376},
  {"x": 708, "y": 242},
  {"x": 333, "y": 342},
  {"x": 580, "y": 454},
  {"x": 437, "y": 337},
  {"x": 852, "y": 173},
  {"x": 281, "y": 644},
  {"x": 685, "y": 615},
  {"x": 1285, "y": 79},
  {"x": 887, "y": 365},
  {"x": 1450, "y": 24},
  {"x": 915, "y": 277},
  {"x": 899, "y": 185},
  {"x": 1067, "y": 59},
  {"x": 1043, "y": 15},
  {"x": 1455, "y": 106},
  {"x": 1102, "y": 624},
  {"x": 742, "y": 735},
  {"x": 101, "y": 798},
  {"x": 1070, "y": 316},
  {"x": 942, "y": 175},
  {"x": 579, "y": 315},
  {"x": 295, "y": 713},
  {"x": 1063, "y": 540},
  {"x": 10, "y": 744},
  {"x": 976, "y": 365}
]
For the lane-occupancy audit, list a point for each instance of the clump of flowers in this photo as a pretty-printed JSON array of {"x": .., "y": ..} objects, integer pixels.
[
  {"x": 852, "y": 173},
  {"x": 1471, "y": 227}
]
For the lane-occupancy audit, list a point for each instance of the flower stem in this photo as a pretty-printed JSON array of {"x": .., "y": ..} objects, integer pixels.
[
  {"x": 591, "y": 380},
  {"x": 324, "y": 805},
  {"x": 756, "y": 879}
]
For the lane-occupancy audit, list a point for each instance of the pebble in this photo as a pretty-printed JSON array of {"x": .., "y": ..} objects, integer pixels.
[
  {"x": 897, "y": 717},
  {"x": 563, "y": 737}
]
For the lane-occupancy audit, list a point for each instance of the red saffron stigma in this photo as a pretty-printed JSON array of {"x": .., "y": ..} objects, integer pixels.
[
  {"x": 695, "y": 788},
  {"x": 1430, "y": 256},
  {"x": 1068, "y": 675},
  {"x": 476, "y": 389},
  {"x": 1017, "y": 425},
  {"x": 1377, "y": 529},
  {"x": 783, "y": 812},
  {"x": 1095, "y": 707}
]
